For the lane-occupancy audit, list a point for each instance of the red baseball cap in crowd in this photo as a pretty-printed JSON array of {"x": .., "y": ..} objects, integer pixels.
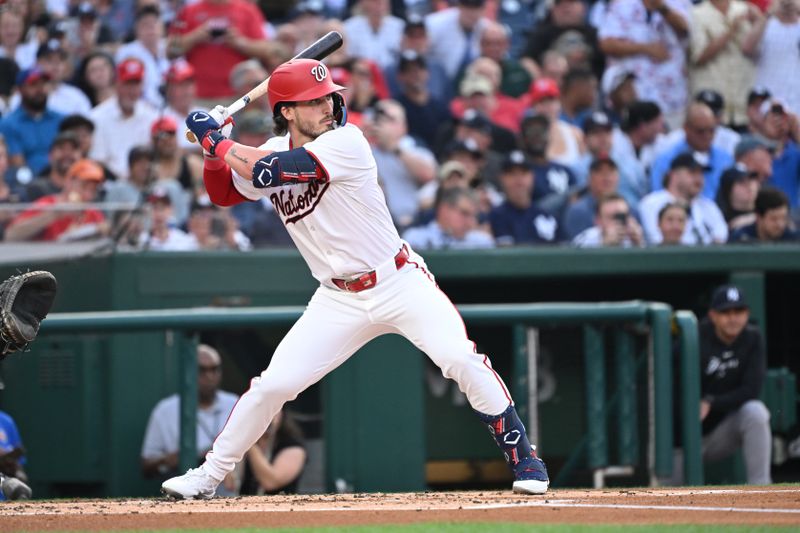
[
  {"x": 542, "y": 89},
  {"x": 164, "y": 125},
  {"x": 180, "y": 70},
  {"x": 31, "y": 75},
  {"x": 130, "y": 70}
]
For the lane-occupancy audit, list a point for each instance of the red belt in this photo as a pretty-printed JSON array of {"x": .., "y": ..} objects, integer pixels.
[{"x": 369, "y": 279}]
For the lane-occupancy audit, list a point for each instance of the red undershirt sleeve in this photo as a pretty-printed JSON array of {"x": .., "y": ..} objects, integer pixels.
[{"x": 219, "y": 183}]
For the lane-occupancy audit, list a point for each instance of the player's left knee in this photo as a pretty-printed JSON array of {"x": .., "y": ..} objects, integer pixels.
[{"x": 755, "y": 412}]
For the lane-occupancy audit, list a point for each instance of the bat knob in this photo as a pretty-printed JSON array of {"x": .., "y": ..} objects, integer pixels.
[{"x": 190, "y": 137}]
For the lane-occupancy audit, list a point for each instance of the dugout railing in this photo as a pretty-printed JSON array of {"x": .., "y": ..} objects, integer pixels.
[{"x": 622, "y": 319}]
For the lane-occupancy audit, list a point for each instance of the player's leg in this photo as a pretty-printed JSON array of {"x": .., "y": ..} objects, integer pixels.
[
  {"x": 422, "y": 313},
  {"x": 747, "y": 429},
  {"x": 330, "y": 330}
]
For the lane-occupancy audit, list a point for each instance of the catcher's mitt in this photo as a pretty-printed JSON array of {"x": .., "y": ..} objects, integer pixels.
[{"x": 25, "y": 301}]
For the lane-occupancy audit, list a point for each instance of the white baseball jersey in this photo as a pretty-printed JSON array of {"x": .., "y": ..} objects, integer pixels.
[
  {"x": 342, "y": 227},
  {"x": 349, "y": 232}
]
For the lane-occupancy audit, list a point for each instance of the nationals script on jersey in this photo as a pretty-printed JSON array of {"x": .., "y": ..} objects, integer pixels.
[{"x": 342, "y": 227}]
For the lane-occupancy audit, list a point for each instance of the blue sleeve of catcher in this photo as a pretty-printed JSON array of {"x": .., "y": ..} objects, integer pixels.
[{"x": 290, "y": 166}]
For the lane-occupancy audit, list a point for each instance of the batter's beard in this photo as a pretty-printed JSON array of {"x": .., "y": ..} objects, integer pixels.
[{"x": 308, "y": 130}]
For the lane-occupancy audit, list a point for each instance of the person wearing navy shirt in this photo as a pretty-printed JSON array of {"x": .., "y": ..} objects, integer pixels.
[
  {"x": 700, "y": 126},
  {"x": 12, "y": 456},
  {"x": 772, "y": 220},
  {"x": 554, "y": 181},
  {"x": 518, "y": 220},
  {"x": 786, "y": 157},
  {"x": 30, "y": 129},
  {"x": 425, "y": 114}
]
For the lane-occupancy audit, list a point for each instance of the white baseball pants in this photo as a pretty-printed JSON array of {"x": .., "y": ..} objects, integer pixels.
[{"x": 333, "y": 327}]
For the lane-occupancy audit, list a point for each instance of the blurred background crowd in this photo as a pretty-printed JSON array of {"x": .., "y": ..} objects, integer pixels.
[{"x": 516, "y": 122}]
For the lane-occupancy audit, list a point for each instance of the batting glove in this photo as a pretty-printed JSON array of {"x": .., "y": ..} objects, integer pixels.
[{"x": 206, "y": 129}]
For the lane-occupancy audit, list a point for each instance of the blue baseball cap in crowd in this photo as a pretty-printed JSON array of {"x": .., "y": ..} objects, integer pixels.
[
  {"x": 728, "y": 297},
  {"x": 30, "y": 75}
]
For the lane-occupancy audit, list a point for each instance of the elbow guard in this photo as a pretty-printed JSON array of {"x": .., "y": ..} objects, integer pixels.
[{"x": 290, "y": 166}]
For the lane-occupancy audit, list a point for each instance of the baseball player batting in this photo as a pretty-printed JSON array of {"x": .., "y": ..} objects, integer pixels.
[{"x": 320, "y": 175}]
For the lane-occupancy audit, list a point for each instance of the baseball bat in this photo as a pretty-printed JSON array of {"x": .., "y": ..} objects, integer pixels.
[{"x": 319, "y": 49}]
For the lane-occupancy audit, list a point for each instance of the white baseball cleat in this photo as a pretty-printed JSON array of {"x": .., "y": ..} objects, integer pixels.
[
  {"x": 530, "y": 486},
  {"x": 193, "y": 485}
]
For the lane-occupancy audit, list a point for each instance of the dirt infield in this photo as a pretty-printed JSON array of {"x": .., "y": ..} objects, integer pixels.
[{"x": 760, "y": 505}]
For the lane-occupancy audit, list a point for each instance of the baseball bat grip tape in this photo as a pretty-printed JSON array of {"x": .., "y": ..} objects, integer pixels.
[{"x": 319, "y": 49}]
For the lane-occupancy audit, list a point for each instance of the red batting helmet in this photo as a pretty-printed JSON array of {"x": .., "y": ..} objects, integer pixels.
[{"x": 299, "y": 80}]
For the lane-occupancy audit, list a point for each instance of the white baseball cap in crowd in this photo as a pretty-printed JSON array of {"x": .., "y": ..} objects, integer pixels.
[{"x": 614, "y": 76}]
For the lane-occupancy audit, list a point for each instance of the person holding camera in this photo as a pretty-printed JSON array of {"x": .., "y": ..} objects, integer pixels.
[
  {"x": 684, "y": 183},
  {"x": 614, "y": 225},
  {"x": 781, "y": 127},
  {"x": 214, "y": 36}
]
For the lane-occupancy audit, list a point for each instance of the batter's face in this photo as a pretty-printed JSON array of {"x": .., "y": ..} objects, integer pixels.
[{"x": 309, "y": 119}]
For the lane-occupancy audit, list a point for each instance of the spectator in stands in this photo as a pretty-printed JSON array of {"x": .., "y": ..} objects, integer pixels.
[
  {"x": 30, "y": 129},
  {"x": 454, "y": 225},
  {"x": 755, "y": 119},
  {"x": 425, "y": 113},
  {"x": 150, "y": 48},
  {"x": 7, "y": 196},
  {"x": 469, "y": 154},
  {"x": 772, "y": 220},
  {"x": 163, "y": 235},
  {"x": 554, "y": 181},
  {"x": 619, "y": 90},
  {"x": 518, "y": 220},
  {"x": 718, "y": 59},
  {"x": 93, "y": 34},
  {"x": 647, "y": 37},
  {"x": 455, "y": 34},
  {"x": 129, "y": 224},
  {"x": 733, "y": 366},
  {"x": 276, "y": 461},
  {"x": 774, "y": 42},
  {"x": 64, "y": 152},
  {"x": 12, "y": 452},
  {"x": 578, "y": 96},
  {"x": 95, "y": 77},
  {"x": 554, "y": 67},
  {"x": 245, "y": 77},
  {"x": 12, "y": 43},
  {"x": 684, "y": 183},
  {"x": 495, "y": 42},
  {"x": 82, "y": 128},
  {"x": 564, "y": 17},
  {"x": 403, "y": 166},
  {"x": 635, "y": 140},
  {"x": 253, "y": 128},
  {"x": 180, "y": 90},
  {"x": 366, "y": 87},
  {"x": 310, "y": 23},
  {"x": 46, "y": 222},
  {"x": 756, "y": 155},
  {"x": 161, "y": 445},
  {"x": 479, "y": 92},
  {"x": 8, "y": 74},
  {"x": 214, "y": 228},
  {"x": 215, "y": 35},
  {"x": 614, "y": 225},
  {"x": 259, "y": 222},
  {"x": 451, "y": 174},
  {"x": 603, "y": 181},
  {"x": 415, "y": 39},
  {"x": 565, "y": 140},
  {"x": 64, "y": 98},
  {"x": 672, "y": 220},
  {"x": 374, "y": 33},
  {"x": 597, "y": 133},
  {"x": 699, "y": 128},
  {"x": 736, "y": 198},
  {"x": 122, "y": 122},
  {"x": 724, "y": 137},
  {"x": 778, "y": 128},
  {"x": 174, "y": 169}
]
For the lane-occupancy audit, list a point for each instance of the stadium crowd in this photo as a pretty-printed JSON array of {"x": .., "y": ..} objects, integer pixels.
[{"x": 523, "y": 122}]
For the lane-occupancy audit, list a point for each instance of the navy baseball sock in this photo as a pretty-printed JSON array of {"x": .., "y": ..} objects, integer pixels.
[{"x": 509, "y": 432}]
